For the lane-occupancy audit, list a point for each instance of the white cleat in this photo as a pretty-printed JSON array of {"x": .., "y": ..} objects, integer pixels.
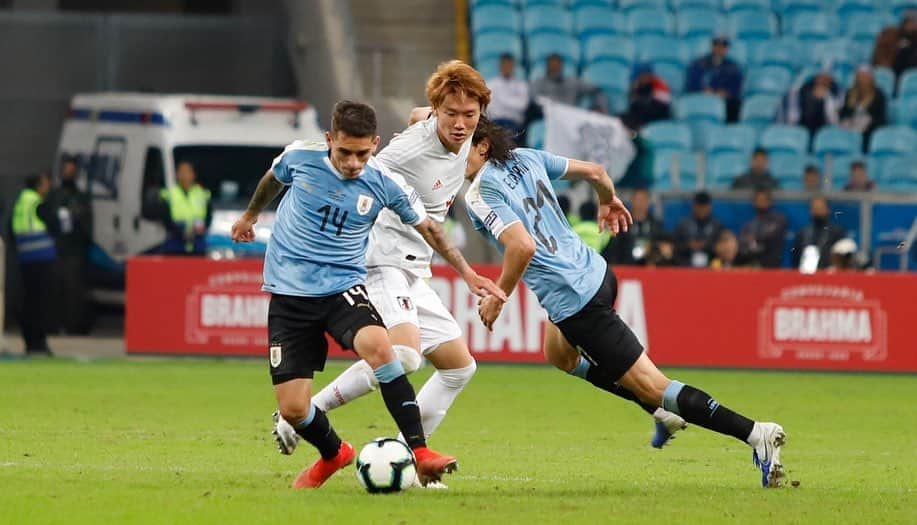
[
  {"x": 667, "y": 424},
  {"x": 766, "y": 455},
  {"x": 284, "y": 435}
]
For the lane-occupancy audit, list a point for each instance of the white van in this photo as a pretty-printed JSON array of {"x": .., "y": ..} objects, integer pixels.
[{"x": 127, "y": 146}]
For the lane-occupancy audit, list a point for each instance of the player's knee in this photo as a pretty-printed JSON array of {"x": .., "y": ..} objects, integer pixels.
[
  {"x": 564, "y": 361},
  {"x": 458, "y": 377},
  {"x": 409, "y": 357},
  {"x": 377, "y": 351},
  {"x": 294, "y": 410}
]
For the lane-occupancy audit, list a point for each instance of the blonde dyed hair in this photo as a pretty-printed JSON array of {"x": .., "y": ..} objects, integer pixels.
[{"x": 457, "y": 77}]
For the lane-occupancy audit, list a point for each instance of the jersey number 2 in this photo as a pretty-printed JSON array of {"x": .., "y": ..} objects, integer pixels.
[
  {"x": 543, "y": 194},
  {"x": 326, "y": 209}
]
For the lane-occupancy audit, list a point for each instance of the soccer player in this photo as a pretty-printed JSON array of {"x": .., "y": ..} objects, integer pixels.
[
  {"x": 512, "y": 203},
  {"x": 431, "y": 155},
  {"x": 314, "y": 269}
]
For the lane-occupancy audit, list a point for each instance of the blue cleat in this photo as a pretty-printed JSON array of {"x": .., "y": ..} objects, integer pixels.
[
  {"x": 766, "y": 455},
  {"x": 667, "y": 424}
]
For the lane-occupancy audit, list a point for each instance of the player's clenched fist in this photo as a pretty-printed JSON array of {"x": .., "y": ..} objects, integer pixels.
[{"x": 243, "y": 229}]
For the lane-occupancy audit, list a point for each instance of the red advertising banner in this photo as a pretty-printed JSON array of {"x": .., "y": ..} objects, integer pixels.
[{"x": 743, "y": 319}]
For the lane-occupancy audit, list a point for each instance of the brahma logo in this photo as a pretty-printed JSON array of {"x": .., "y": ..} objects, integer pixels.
[
  {"x": 816, "y": 322},
  {"x": 229, "y": 306}
]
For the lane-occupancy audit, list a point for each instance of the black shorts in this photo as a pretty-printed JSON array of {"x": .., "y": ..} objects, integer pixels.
[
  {"x": 600, "y": 335},
  {"x": 297, "y": 325}
]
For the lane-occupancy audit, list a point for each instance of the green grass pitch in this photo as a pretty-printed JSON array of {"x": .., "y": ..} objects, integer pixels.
[{"x": 187, "y": 441}]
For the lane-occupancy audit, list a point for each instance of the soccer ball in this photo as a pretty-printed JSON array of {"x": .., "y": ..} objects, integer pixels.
[{"x": 386, "y": 465}]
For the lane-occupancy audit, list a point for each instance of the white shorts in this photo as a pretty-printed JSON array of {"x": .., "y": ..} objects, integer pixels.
[{"x": 401, "y": 297}]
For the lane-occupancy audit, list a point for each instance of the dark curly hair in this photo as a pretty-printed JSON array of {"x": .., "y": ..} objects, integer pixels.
[{"x": 500, "y": 138}]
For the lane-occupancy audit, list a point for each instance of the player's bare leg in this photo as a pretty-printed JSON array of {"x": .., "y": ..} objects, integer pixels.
[
  {"x": 295, "y": 404},
  {"x": 696, "y": 406},
  {"x": 560, "y": 353}
]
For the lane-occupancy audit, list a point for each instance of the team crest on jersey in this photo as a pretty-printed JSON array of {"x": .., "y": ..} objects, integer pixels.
[
  {"x": 364, "y": 204},
  {"x": 276, "y": 355},
  {"x": 405, "y": 303}
]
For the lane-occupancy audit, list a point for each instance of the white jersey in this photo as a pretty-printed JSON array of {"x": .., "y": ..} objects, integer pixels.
[{"x": 436, "y": 174}]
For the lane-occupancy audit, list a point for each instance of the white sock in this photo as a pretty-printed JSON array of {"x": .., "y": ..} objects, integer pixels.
[
  {"x": 660, "y": 414},
  {"x": 756, "y": 435},
  {"x": 356, "y": 381},
  {"x": 438, "y": 394}
]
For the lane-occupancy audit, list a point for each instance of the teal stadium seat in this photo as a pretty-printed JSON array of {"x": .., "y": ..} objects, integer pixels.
[
  {"x": 723, "y": 168},
  {"x": 536, "y": 3},
  {"x": 541, "y": 46},
  {"x": 657, "y": 49},
  {"x": 759, "y": 110},
  {"x": 674, "y": 170},
  {"x": 836, "y": 141},
  {"x": 495, "y": 19},
  {"x": 846, "y": 8},
  {"x": 808, "y": 26},
  {"x": 492, "y": 45},
  {"x": 673, "y": 75},
  {"x": 699, "y": 22},
  {"x": 691, "y": 4},
  {"x": 791, "y": 8},
  {"x": 626, "y": 6},
  {"x": 907, "y": 84},
  {"x": 734, "y": 138},
  {"x": 783, "y": 52},
  {"x": 592, "y": 20},
  {"x": 898, "y": 7},
  {"x": 534, "y": 135},
  {"x": 767, "y": 80},
  {"x": 644, "y": 21},
  {"x": 609, "y": 48},
  {"x": 752, "y": 25},
  {"x": 547, "y": 19},
  {"x": 481, "y": 3},
  {"x": 863, "y": 27},
  {"x": 788, "y": 168},
  {"x": 907, "y": 112},
  {"x": 612, "y": 77},
  {"x": 576, "y": 5},
  {"x": 892, "y": 141},
  {"x": 669, "y": 135},
  {"x": 900, "y": 174},
  {"x": 781, "y": 138},
  {"x": 885, "y": 79},
  {"x": 734, "y": 6}
]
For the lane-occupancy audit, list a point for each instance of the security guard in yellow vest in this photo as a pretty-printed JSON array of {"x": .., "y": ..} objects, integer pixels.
[
  {"x": 36, "y": 254},
  {"x": 189, "y": 213}
]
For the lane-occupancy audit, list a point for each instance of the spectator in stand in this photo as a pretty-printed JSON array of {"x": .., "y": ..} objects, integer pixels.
[
  {"x": 697, "y": 234},
  {"x": 726, "y": 252},
  {"x": 906, "y": 53},
  {"x": 844, "y": 256},
  {"x": 816, "y": 102},
  {"x": 719, "y": 75},
  {"x": 650, "y": 98},
  {"x": 662, "y": 251},
  {"x": 566, "y": 90},
  {"x": 811, "y": 179},
  {"x": 886, "y": 46},
  {"x": 633, "y": 246},
  {"x": 864, "y": 106},
  {"x": 859, "y": 180},
  {"x": 509, "y": 96},
  {"x": 762, "y": 238},
  {"x": 588, "y": 229},
  {"x": 758, "y": 175},
  {"x": 814, "y": 242}
]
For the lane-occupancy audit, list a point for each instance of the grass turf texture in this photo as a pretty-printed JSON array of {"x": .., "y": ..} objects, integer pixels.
[{"x": 187, "y": 441}]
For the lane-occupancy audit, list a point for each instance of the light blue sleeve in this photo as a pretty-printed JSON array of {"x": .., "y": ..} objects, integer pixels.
[
  {"x": 554, "y": 165},
  {"x": 281, "y": 169},
  {"x": 403, "y": 200},
  {"x": 489, "y": 208}
]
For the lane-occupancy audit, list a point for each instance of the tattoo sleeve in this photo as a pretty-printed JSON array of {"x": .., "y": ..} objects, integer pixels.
[{"x": 267, "y": 190}]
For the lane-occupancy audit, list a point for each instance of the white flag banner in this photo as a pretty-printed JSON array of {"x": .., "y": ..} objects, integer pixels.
[{"x": 585, "y": 135}]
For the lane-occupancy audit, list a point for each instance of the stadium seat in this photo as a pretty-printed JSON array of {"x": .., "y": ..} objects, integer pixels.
[
  {"x": 907, "y": 84},
  {"x": 657, "y": 49},
  {"x": 788, "y": 166},
  {"x": 885, "y": 79},
  {"x": 767, "y": 80},
  {"x": 552, "y": 20},
  {"x": 673, "y": 75},
  {"x": 665, "y": 165},
  {"x": 845, "y": 8},
  {"x": 534, "y": 135},
  {"x": 481, "y": 3},
  {"x": 790, "y": 8},
  {"x": 783, "y": 52},
  {"x": 733, "y": 6},
  {"x": 699, "y": 21},
  {"x": 752, "y": 25},
  {"x": 784, "y": 138},
  {"x": 576, "y": 5},
  {"x": 627, "y": 6},
  {"x": 899, "y": 174},
  {"x": 759, "y": 110},
  {"x": 906, "y": 112},
  {"x": 836, "y": 141},
  {"x": 838, "y": 52},
  {"x": 809, "y": 26},
  {"x": 594, "y": 20},
  {"x": 678, "y": 5},
  {"x": 736, "y": 138},
  {"x": 492, "y": 45},
  {"x": 490, "y": 68},
  {"x": 668, "y": 135},
  {"x": 526, "y": 4},
  {"x": 607, "y": 47},
  {"x": 541, "y": 46},
  {"x": 837, "y": 169},
  {"x": 495, "y": 18},
  {"x": 892, "y": 140},
  {"x": 701, "y": 107},
  {"x": 650, "y": 22},
  {"x": 898, "y": 7},
  {"x": 863, "y": 27},
  {"x": 613, "y": 78},
  {"x": 723, "y": 168}
]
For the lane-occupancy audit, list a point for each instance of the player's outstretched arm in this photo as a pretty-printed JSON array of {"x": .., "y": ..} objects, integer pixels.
[
  {"x": 268, "y": 187},
  {"x": 433, "y": 233},
  {"x": 518, "y": 250},
  {"x": 613, "y": 215}
]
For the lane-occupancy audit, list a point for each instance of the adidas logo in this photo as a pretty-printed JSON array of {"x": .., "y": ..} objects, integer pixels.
[{"x": 437, "y": 185}]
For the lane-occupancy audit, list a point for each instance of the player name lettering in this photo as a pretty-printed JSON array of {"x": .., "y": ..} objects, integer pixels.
[
  {"x": 847, "y": 325},
  {"x": 234, "y": 310}
]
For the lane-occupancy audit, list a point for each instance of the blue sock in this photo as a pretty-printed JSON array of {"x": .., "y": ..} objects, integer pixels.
[
  {"x": 670, "y": 396},
  {"x": 581, "y": 369},
  {"x": 389, "y": 371},
  {"x": 308, "y": 421}
]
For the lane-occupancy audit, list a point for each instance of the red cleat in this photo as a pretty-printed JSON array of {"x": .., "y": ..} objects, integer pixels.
[
  {"x": 322, "y": 469},
  {"x": 431, "y": 465}
]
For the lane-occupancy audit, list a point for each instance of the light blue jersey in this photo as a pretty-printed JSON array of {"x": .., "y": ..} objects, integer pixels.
[
  {"x": 564, "y": 273},
  {"x": 318, "y": 243}
]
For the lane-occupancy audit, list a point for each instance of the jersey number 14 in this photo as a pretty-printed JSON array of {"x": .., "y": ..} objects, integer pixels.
[{"x": 326, "y": 209}]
